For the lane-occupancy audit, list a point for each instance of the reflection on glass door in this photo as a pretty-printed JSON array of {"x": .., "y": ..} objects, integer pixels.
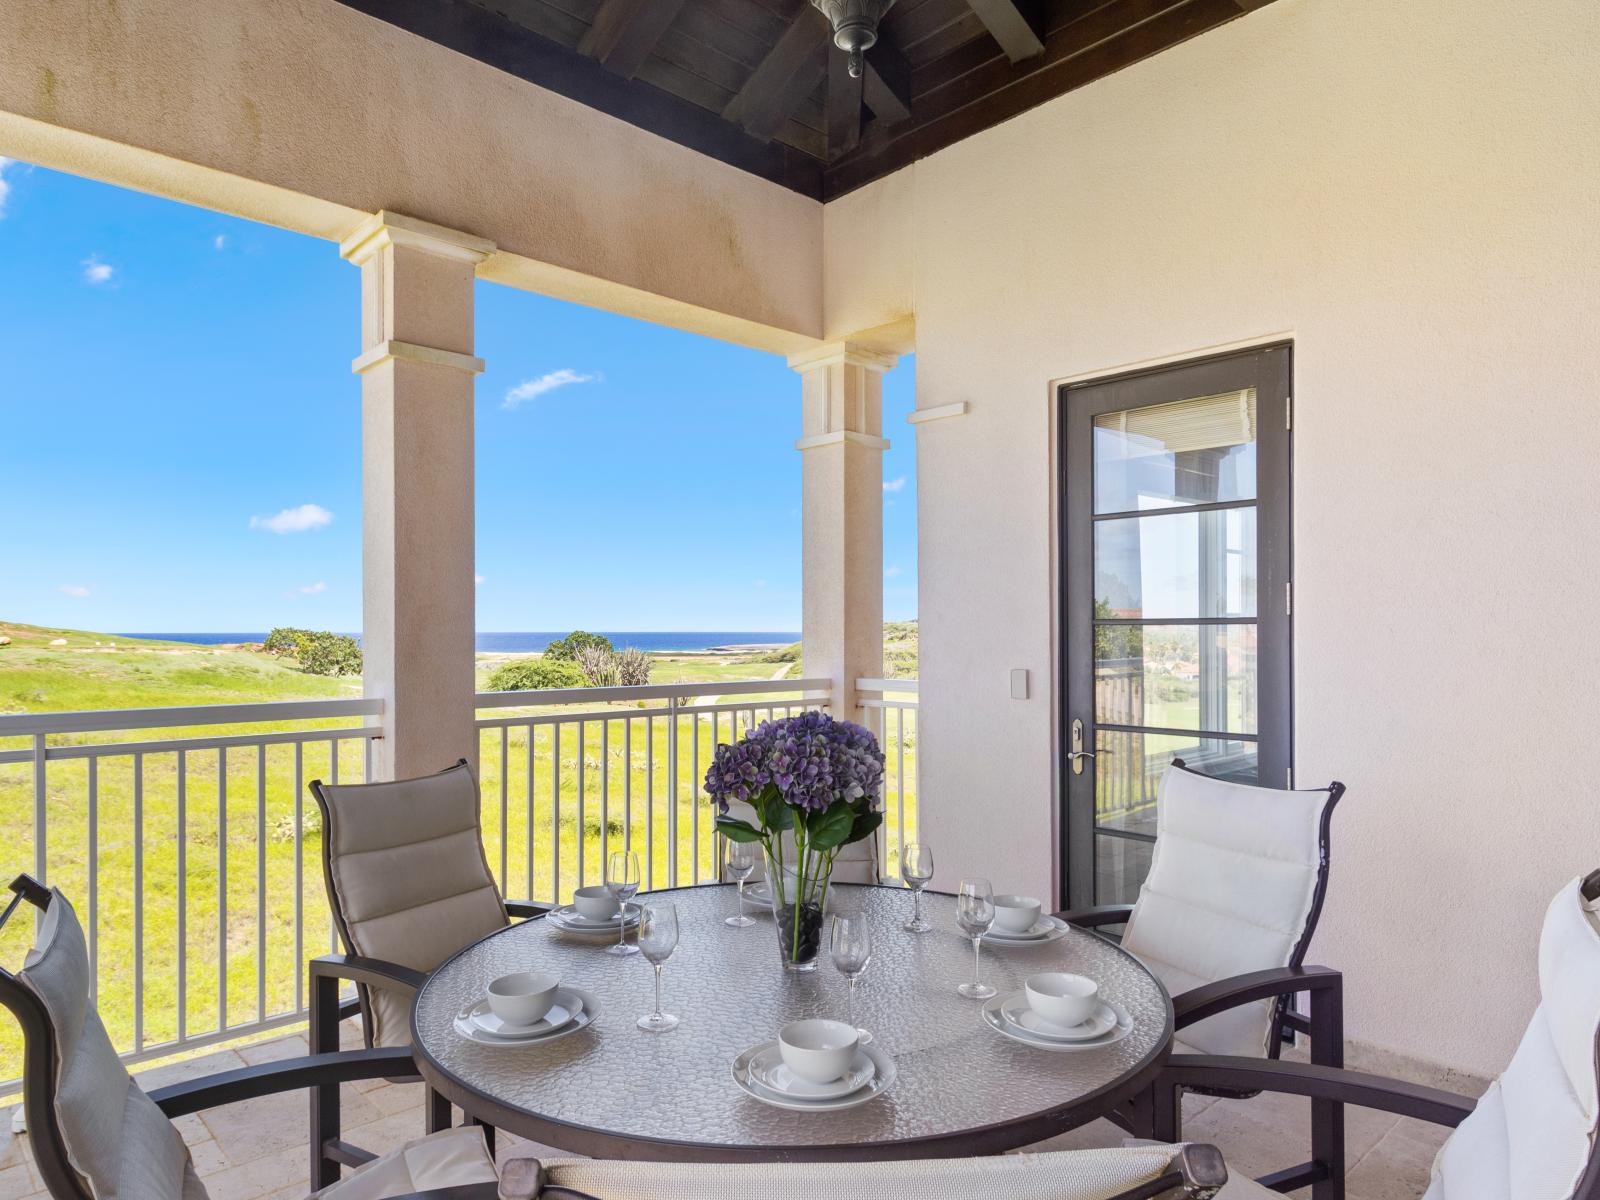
[{"x": 1176, "y": 595}]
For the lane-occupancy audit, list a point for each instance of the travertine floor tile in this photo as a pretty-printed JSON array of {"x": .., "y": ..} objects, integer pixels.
[
  {"x": 276, "y": 1050},
  {"x": 256, "y": 1128},
  {"x": 16, "y": 1182}
]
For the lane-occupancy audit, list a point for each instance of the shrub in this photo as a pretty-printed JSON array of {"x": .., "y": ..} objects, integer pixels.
[
  {"x": 599, "y": 665},
  {"x": 532, "y": 674},
  {"x": 783, "y": 654},
  {"x": 633, "y": 667},
  {"x": 566, "y": 649},
  {"x": 330, "y": 654},
  {"x": 285, "y": 640}
]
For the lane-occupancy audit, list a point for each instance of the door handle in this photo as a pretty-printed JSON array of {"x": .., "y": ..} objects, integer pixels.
[{"x": 1078, "y": 753}]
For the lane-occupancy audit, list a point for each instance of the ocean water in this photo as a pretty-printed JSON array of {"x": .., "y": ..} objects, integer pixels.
[{"x": 530, "y": 643}]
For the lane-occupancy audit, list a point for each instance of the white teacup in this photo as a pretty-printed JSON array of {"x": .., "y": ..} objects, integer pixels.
[
  {"x": 595, "y": 903},
  {"x": 818, "y": 1051},
  {"x": 523, "y": 997},
  {"x": 1016, "y": 914},
  {"x": 1061, "y": 998}
]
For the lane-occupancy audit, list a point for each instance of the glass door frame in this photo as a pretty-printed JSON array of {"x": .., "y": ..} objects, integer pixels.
[{"x": 1268, "y": 369}]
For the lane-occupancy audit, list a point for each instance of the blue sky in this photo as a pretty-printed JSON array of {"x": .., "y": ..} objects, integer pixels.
[{"x": 180, "y": 441}]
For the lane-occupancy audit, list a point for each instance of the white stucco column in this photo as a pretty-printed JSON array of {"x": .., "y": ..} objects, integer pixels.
[
  {"x": 417, "y": 371},
  {"x": 842, "y": 513}
]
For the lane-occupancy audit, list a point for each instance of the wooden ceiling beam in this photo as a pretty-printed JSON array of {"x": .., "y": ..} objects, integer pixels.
[
  {"x": 1014, "y": 24},
  {"x": 886, "y": 81},
  {"x": 785, "y": 77},
  {"x": 625, "y": 33},
  {"x": 844, "y": 104}
]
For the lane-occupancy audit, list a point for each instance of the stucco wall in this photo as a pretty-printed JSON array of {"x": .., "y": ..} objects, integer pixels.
[
  {"x": 310, "y": 115},
  {"x": 1409, "y": 189}
]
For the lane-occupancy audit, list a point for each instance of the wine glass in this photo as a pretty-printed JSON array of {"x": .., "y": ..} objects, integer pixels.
[
  {"x": 741, "y": 862},
  {"x": 916, "y": 868},
  {"x": 658, "y": 938},
  {"x": 975, "y": 913},
  {"x": 850, "y": 947},
  {"x": 622, "y": 881}
]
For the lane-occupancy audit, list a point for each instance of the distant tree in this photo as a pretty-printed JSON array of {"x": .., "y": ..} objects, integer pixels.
[
  {"x": 533, "y": 674},
  {"x": 633, "y": 667},
  {"x": 599, "y": 665},
  {"x": 566, "y": 649},
  {"x": 1112, "y": 642},
  {"x": 285, "y": 639},
  {"x": 330, "y": 654}
]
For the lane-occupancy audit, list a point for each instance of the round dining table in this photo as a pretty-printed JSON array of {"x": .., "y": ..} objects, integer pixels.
[{"x": 612, "y": 1090}]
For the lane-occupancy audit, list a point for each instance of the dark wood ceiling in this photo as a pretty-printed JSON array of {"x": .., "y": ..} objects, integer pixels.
[{"x": 758, "y": 83}]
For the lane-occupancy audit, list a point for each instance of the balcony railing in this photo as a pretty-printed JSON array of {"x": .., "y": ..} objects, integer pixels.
[{"x": 189, "y": 843}]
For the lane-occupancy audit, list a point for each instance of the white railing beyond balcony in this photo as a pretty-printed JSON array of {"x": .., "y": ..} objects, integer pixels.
[{"x": 891, "y": 706}]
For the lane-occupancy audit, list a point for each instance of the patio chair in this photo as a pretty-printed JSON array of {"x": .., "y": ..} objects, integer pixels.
[
  {"x": 1534, "y": 1135},
  {"x": 1139, "y": 1172},
  {"x": 409, "y": 885},
  {"x": 96, "y": 1135}
]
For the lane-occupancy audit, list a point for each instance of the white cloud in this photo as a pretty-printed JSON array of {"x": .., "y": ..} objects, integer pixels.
[
  {"x": 97, "y": 272},
  {"x": 312, "y": 589},
  {"x": 219, "y": 242},
  {"x": 477, "y": 579},
  {"x": 76, "y": 590},
  {"x": 530, "y": 389},
  {"x": 294, "y": 520},
  {"x": 5, "y": 187},
  {"x": 896, "y": 484},
  {"x": 891, "y": 572}
]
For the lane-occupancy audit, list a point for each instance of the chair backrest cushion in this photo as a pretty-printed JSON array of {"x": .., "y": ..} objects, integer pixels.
[
  {"x": 1231, "y": 888},
  {"x": 409, "y": 878},
  {"x": 1534, "y": 1130},
  {"x": 1058, "y": 1175},
  {"x": 116, "y": 1139}
]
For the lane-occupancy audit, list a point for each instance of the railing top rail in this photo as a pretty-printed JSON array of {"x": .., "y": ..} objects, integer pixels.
[
  {"x": 887, "y": 685},
  {"x": 652, "y": 691},
  {"x": 26, "y": 724}
]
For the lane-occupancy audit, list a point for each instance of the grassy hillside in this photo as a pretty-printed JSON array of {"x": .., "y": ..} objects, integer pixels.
[{"x": 899, "y": 652}]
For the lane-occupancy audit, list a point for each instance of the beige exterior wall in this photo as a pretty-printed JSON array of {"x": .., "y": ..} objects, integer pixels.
[
  {"x": 1411, "y": 190},
  {"x": 309, "y": 115}
]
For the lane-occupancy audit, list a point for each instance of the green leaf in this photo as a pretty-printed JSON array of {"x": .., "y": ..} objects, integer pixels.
[
  {"x": 831, "y": 827},
  {"x": 864, "y": 823},
  {"x": 779, "y": 816},
  {"x": 736, "y": 830}
]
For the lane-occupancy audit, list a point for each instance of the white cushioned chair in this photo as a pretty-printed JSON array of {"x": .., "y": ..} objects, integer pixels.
[
  {"x": 1129, "y": 1173},
  {"x": 97, "y": 1136},
  {"x": 409, "y": 884},
  {"x": 1534, "y": 1135}
]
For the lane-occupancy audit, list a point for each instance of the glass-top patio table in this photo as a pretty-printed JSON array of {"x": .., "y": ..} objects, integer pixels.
[{"x": 615, "y": 1091}]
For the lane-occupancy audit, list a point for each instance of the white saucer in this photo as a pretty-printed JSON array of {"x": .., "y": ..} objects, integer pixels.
[
  {"x": 566, "y": 917},
  {"x": 993, "y": 1019},
  {"x": 883, "y": 1078},
  {"x": 482, "y": 1019},
  {"x": 771, "y": 1072},
  {"x": 583, "y": 1006},
  {"x": 1016, "y": 1011},
  {"x": 1045, "y": 929}
]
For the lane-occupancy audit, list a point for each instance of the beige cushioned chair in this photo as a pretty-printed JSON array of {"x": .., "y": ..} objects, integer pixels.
[
  {"x": 408, "y": 882},
  {"x": 97, "y": 1136}
]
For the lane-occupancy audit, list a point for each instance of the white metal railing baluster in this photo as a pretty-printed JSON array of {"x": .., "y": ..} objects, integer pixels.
[
  {"x": 649, "y": 802},
  {"x": 299, "y": 871},
  {"x": 583, "y": 815},
  {"x": 900, "y": 779},
  {"x": 94, "y": 879},
  {"x": 555, "y": 814},
  {"x": 627, "y": 783},
  {"x": 505, "y": 783},
  {"x": 672, "y": 791},
  {"x": 138, "y": 902},
  {"x": 183, "y": 895},
  {"x": 605, "y": 794},
  {"x": 531, "y": 838},
  {"x": 694, "y": 789},
  {"x": 261, "y": 883},
  {"x": 222, "y": 888}
]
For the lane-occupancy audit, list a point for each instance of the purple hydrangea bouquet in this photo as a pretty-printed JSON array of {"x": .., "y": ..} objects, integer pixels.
[{"x": 815, "y": 785}]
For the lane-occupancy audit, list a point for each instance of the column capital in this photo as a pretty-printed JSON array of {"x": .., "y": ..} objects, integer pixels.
[
  {"x": 846, "y": 353},
  {"x": 384, "y": 229}
]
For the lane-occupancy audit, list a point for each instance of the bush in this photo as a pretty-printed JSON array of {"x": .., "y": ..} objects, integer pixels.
[
  {"x": 633, "y": 667},
  {"x": 330, "y": 654},
  {"x": 566, "y": 649},
  {"x": 532, "y": 674},
  {"x": 783, "y": 654},
  {"x": 599, "y": 665},
  {"x": 286, "y": 640}
]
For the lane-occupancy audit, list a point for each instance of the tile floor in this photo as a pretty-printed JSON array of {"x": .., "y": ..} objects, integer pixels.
[{"x": 257, "y": 1150}]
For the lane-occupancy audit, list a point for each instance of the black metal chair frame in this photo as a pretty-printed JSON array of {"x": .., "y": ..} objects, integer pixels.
[
  {"x": 1328, "y": 1086},
  {"x": 1323, "y": 1024},
  {"x": 328, "y": 974},
  {"x": 317, "y": 1072}
]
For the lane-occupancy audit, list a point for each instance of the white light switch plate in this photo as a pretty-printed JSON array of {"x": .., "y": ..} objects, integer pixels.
[{"x": 1019, "y": 683}]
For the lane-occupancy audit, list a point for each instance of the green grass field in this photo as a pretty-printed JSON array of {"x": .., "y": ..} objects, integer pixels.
[{"x": 616, "y": 789}]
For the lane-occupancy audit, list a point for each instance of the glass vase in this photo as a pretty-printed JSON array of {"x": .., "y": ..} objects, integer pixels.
[{"x": 798, "y": 906}]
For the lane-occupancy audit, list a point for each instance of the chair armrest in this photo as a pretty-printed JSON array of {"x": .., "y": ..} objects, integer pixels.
[
  {"x": 1100, "y": 914},
  {"x": 464, "y": 1191},
  {"x": 526, "y": 909},
  {"x": 1212, "y": 998},
  {"x": 286, "y": 1075},
  {"x": 373, "y": 972},
  {"x": 1319, "y": 1083}
]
